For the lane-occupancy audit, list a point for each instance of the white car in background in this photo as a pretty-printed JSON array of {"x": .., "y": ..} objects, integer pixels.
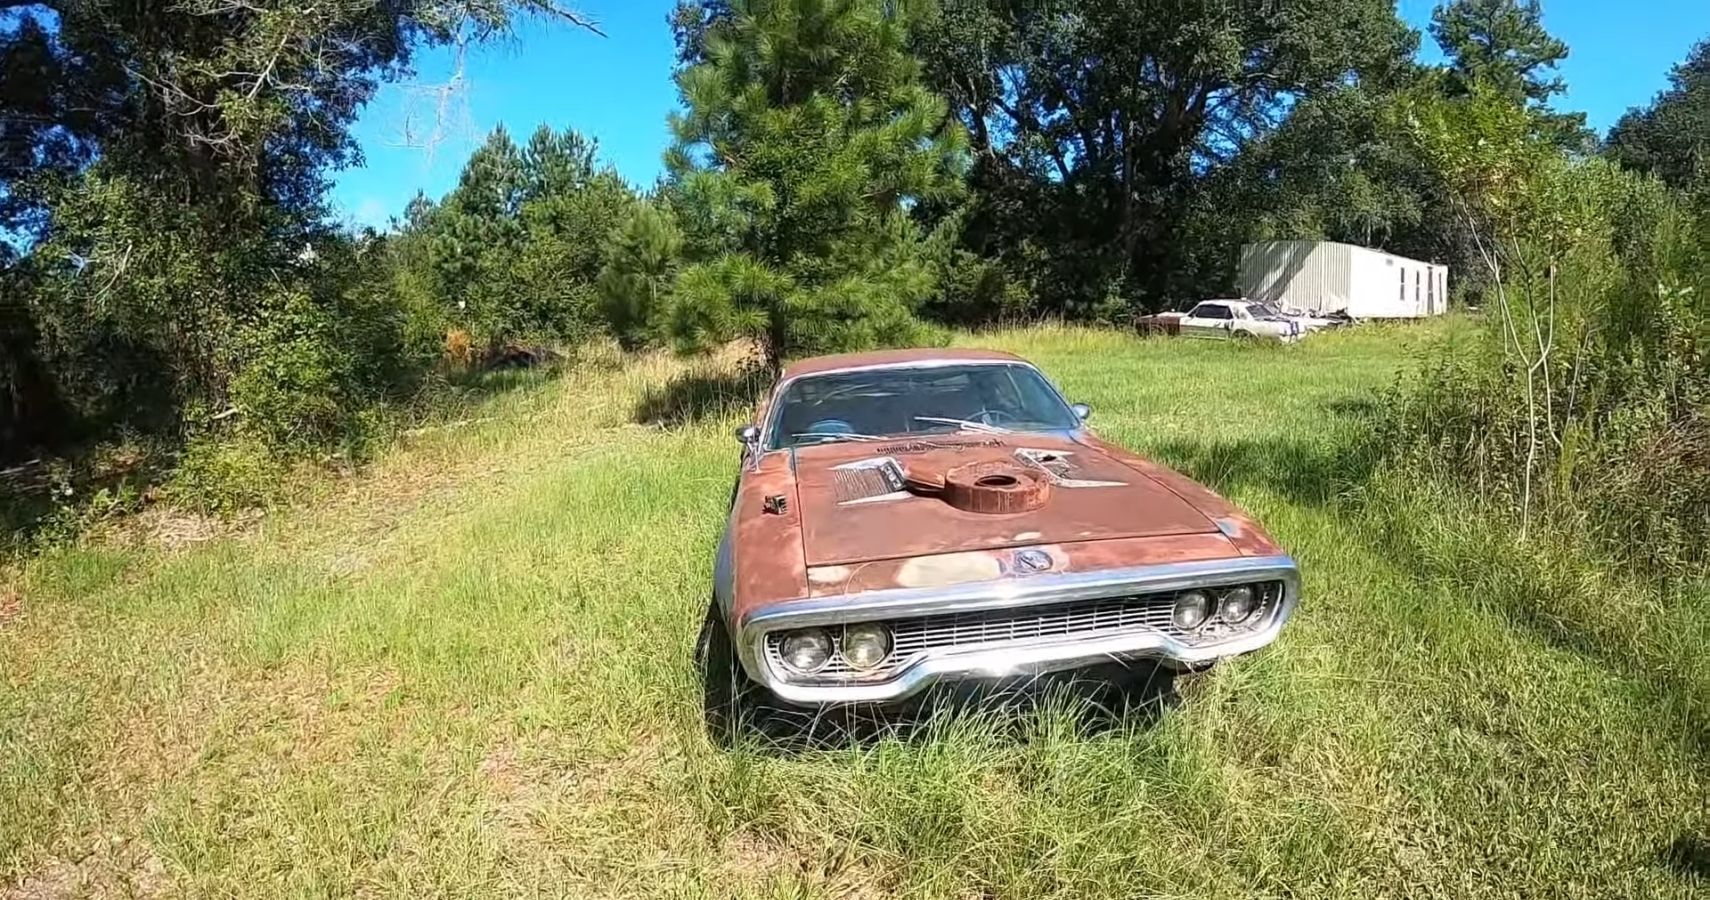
[{"x": 1249, "y": 319}]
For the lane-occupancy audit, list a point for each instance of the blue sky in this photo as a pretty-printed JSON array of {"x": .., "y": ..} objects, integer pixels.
[{"x": 618, "y": 89}]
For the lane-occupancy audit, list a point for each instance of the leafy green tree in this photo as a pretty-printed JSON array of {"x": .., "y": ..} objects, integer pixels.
[
  {"x": 807, "y": 139},
  {"x": 635, "y": 285},
  {"x": 163, "y": 170},
  {"x": 1670, "y": 138},
  {"x": 517, "y": 246},
  {"x": 1096, "y": 124}
]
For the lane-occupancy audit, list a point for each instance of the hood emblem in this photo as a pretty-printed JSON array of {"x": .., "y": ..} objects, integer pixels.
[{"x": 1032, "y": 561}]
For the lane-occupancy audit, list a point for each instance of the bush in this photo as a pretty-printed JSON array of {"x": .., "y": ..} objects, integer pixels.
[
  {"x": 225, "y": 473},
  {"x": 1586, "y": 408}
]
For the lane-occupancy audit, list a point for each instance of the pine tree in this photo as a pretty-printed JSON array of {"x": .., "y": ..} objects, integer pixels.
[
  {"x": 518, "y": 245},
  {"x": 1503, "y": 45},
  {"x": 636, "y": 281},
  {"x": 807, "y": 139}
]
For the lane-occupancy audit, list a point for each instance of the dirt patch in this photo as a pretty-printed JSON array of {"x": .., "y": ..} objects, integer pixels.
[
  {"x": 113, "y": 868},
  {"x": 751, "y": 859},
  {"x": 11, "y": 606},
  {"x": 165, "y": 527}
]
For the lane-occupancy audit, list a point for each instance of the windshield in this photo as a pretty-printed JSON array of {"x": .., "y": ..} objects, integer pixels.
[
  {"x": 1263, "y": 309},
  {"x": 871, "y": 403}
]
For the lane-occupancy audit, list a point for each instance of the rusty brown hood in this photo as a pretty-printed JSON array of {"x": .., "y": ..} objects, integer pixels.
[{"x": 862, "y": 502}]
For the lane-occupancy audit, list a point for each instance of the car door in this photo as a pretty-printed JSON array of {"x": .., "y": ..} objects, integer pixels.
[{"x": 1211, "y": 320}]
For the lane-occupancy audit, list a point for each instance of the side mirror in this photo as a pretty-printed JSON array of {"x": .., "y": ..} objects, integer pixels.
[
  {"x": 748, "y": 434},
  {"x": 1082, "y": 411}
]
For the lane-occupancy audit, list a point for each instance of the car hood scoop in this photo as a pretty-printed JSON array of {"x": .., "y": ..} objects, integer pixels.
[{"x": 859, "y": 504}]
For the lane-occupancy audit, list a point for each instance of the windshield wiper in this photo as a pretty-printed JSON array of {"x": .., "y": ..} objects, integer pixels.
[
  {"x": 837, "y": 436},
  {"x": 964, "y": 423}
]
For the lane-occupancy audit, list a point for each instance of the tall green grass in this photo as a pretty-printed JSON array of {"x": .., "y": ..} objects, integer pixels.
[{"x": 469, "y": 672}]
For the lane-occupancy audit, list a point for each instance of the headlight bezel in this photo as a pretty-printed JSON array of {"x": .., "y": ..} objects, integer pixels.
[
  {"x": 1224, "y": 601},
  {"x": 876, "y": 629},
  {"x": 1205, "y": 604},
  {"x": 829, "y": 648}
]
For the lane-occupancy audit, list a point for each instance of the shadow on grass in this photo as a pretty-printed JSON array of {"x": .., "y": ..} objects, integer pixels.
[
  {"x": 1312, "y": 474},
  {"x": 1306, "y": 471},
  {"x": 1690, "y": 856},
  {"x": 1098, "y": 700},
  {"x": 695, "y": 396},
  {"x": 52, "y": 498},
  {"x": 475, "y": 385}
]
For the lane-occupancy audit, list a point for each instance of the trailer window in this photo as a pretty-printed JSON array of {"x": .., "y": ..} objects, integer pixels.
[{"x": 1403, "y": 296}]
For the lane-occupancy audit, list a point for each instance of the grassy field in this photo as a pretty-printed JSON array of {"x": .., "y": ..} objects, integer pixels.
[{"x": 468, "y": 672}]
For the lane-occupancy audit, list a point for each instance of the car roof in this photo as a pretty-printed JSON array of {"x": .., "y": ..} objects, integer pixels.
[{"x": 897, "y": 358}]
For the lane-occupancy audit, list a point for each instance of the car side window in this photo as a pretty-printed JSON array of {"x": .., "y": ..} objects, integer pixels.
[{"x": 1210, "y": 311}]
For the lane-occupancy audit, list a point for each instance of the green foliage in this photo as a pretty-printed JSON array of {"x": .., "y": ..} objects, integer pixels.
[
  {"x": 221, "y": 473},
  {"x": 1097, "y": 125},
  {"x": 513, "y": 252},
  {"x": 1501, "y": 44},
  {"x": 974, "y": 290},
  {"x": 1587, "y": 409},
  {"x": 641, "y": 264},
  {"x": 167, "y": 259},
  {"x": 807, "y": 139},
  {"x": 1503, "y": 47},
  {"x": 1670, "y": 138}
]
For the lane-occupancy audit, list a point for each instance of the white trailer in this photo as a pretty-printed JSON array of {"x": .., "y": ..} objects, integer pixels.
[{"x": 1324, "y": 277}]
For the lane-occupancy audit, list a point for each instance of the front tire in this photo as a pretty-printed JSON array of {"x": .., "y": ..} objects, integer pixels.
[{"x": 727, "y": 691}]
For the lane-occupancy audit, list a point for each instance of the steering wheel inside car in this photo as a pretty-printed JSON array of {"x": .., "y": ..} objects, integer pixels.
[
  {"x": 996, "y": 418},
  {"x": 830, "y": 426}
]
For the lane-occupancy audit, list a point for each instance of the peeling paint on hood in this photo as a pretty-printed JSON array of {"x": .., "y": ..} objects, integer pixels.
[{"x": 1093, "y": 496}]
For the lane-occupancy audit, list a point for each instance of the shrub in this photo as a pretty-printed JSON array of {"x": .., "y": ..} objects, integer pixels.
[
  {"x": 225, "y": 473},
  {"x": 1586, "y": 408}
]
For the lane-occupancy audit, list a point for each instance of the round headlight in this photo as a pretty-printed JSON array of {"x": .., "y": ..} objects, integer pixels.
[
  {"x": 806, "y": 650},
  {"x": 1236, "y": 605},
  {"x": 866, "y": 645},
  {"x": 1192, "y": 609}
]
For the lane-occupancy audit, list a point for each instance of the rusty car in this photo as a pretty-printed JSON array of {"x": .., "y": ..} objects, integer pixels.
[{"x": 904, "y": 518}]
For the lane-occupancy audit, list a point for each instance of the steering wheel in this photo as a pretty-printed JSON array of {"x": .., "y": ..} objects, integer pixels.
[
  {"x": 996, "y": 418},
  {"x": 830, "y": 426}
]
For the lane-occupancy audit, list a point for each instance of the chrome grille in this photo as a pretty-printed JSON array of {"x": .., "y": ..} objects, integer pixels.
[{"x": 914, "y": 638}]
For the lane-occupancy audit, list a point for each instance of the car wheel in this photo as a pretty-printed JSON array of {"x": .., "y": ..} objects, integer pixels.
[{"x": 727, "y": 691}]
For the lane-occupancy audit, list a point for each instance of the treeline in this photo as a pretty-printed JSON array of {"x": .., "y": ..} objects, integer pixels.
[{"x": 844, "y": 173}]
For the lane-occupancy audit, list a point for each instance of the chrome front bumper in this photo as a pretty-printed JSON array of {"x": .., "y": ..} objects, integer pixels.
[{"x": 1023, "y": 657}]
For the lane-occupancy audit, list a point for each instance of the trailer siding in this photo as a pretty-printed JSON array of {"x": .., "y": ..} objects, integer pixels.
[{"x": 1325, "y": 276}]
